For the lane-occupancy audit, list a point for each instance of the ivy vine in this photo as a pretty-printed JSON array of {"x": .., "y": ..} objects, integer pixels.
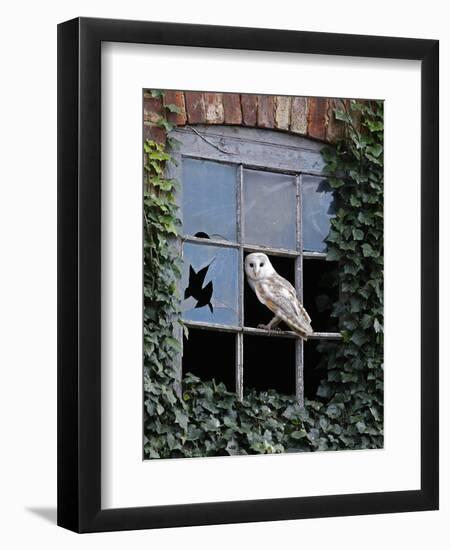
[{"x": 204, "y": 419}]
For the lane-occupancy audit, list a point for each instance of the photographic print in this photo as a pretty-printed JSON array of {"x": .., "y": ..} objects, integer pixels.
[{"x": 263, "y": 274}]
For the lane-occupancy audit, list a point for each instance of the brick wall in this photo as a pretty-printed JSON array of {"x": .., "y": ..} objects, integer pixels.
[{"x": 311, "y": 117}]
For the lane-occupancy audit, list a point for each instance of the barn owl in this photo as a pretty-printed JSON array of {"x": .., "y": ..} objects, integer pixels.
[{"x": 277, "y": 294}]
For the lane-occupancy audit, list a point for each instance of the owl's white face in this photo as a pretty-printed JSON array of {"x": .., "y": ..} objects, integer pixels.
[{"x": 258, "y": 266}]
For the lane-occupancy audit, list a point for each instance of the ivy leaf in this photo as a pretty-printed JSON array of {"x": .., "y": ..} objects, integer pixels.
[
  {"x": 358, "y": 235},
  {"x": 181, "y": 419},
  {"x": 375, "y": 150},
  {"x": 361, "y": 427},
  {"x": 349, "y": 377},
  {"x": 375, "y": 413},
  {"x": 333, "y": 411},
  {"x": 377, "y": 325},
  {"x": 211, "y": 424},
  {"x": 343, "y": 115},
  {"x": 336, "y": 183},
  {"x": 355, "y": 304},
  {"x": 365, "y": 217},
  {"x": 232, "y": 447},
  {"x": 355, "y": 201},
  {"x": 359, "y": 338},
  {"x": 333, "y": 255},
  {"x": 298, "y": 434},
  {"x": 368, "y": 251},
  {"x": 374, "y": 125},
  {"x": 313, "y": 435},
  {"x": 323, "y": 423},
  {"x": 210, "y": 406},
  {"x": 173, "y": 108},
  {"x": 165, "y": 124},
  {"x": 174, "y": 343},
  {"x": 171, "y": 441}
]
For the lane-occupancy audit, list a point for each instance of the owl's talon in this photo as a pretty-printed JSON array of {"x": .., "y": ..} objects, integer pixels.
[{"x": 264, "y": 327}]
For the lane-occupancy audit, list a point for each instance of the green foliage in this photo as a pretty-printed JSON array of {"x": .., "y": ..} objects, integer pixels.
[
  {"x": 355, "y": 369},
  {"x": 207, "y": 420}
]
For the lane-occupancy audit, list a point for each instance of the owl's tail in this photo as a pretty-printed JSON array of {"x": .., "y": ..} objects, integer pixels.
[
  {"x": 301, "y": 326},
  {"x": 300, "y": 331}
]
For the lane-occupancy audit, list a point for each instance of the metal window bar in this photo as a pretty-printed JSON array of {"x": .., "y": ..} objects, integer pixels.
[
  {"x": 299, "y": 371},
  {"x": 240, "y": 335}
]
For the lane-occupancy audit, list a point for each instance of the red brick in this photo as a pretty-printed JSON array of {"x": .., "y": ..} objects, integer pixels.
[
  {"x": 176, "y": 98},
  {"x": 213, "y": 108},
  {"x": 195, "y": 107},
  {"x": 335, "y": 128},
  {"x": 153, "y": 109},
  {"x": 154, "y": 132},
  {"x": 232, "y": 109},
  {"x": 317, "y": 117},
  {"x": 249, "y": 103},
  {"x": 299, "y": 115},
  {"x": 266, "y": 111}
]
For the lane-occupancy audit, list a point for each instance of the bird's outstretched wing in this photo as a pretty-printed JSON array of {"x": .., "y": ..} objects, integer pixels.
[{"x": 280, "y": 297}]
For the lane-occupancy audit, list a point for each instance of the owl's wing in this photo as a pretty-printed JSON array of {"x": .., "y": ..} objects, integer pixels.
[{"x": 280, "y": 297}]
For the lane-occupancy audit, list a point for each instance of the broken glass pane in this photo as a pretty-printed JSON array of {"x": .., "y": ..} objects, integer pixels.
[
  {"x": 318, "y": 209},
  {"x": 210, "y": 284},
  {"x": 269, "y": 206},
  {"x": 209, "y": 199}
]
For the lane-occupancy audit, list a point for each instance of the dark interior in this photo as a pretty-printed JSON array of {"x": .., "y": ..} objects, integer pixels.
[
  {"x": 319, "y": 293},
  {"x": 312, "y": 375},
  {"x": 210, "y": 354},
  {"x": 269, "y": 363}
]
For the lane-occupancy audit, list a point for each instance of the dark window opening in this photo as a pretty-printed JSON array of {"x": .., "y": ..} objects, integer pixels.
[
  {"x": 255, "y": 312},
  {"x": 269, "y": 363},
  {"x": 320, "y": 292},
  {"x": 313, "y": 374},
  {"x": 210, "y": 355}
]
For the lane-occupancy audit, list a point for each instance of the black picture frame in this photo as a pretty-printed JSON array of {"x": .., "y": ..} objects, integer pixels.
[{"x": 79, "y": 274}]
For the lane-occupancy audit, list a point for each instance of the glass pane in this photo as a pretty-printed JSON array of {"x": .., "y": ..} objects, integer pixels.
[
  {"x": 209, "y": 199},
  {"x": 269, "y": 205},
  {"x": 210, "y": 284},
  {"x": 318, "y": 208}
]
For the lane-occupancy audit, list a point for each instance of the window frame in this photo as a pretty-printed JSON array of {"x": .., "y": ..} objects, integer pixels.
[{"x": 271, "y": 151}]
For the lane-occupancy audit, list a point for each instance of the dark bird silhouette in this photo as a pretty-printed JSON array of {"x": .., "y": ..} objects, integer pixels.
[{"x": 196, "y": 289}]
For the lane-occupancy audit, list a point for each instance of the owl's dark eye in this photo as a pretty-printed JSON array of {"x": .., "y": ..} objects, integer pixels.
[
  {"x": 260, "y": 265},
  {"x": 251, "y": 265}
]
